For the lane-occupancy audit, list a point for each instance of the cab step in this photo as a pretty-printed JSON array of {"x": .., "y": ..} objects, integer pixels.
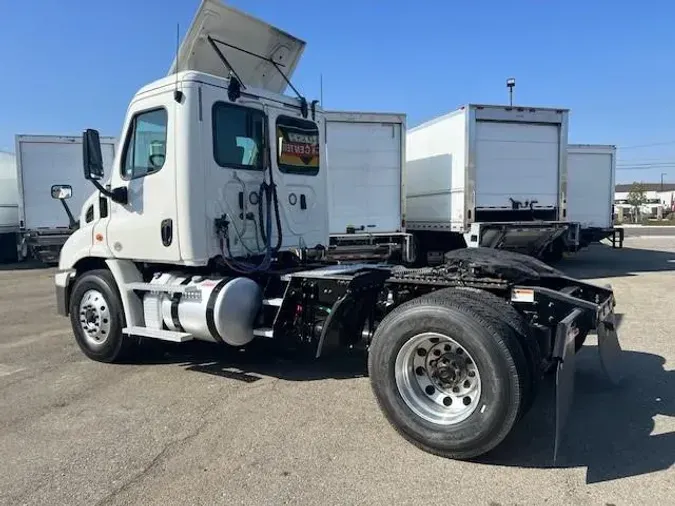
[
  {"x": 263, "y": 332},
  {"x": 273, "y": 302},
  {"x": 157, "y": 287},
  {"x": 163, "y": 335}
]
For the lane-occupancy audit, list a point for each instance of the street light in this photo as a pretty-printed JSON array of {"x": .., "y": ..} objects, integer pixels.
[{"x": 510, "y": 84}]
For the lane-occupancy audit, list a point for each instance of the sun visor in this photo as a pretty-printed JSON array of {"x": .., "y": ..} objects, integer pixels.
[{"x": 253, "y": 39}]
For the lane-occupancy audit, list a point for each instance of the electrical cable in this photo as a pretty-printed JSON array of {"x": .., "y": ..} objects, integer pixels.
[{"x": 269, "y": 191}]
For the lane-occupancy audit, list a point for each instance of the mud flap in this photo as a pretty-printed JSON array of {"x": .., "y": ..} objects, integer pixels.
[
  {"x": 566, "y": 333},
  {"x": 609, "y": 348}
]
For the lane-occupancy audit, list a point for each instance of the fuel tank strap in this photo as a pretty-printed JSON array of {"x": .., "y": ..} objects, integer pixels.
[
  {"x": 175, "y": 301},
  {"x": 210, "y": 309}
]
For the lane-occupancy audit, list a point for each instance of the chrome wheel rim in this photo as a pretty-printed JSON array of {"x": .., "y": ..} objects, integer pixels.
[
  {"x": 94, "y": 314},
  {"x": 437, "y": 378}
]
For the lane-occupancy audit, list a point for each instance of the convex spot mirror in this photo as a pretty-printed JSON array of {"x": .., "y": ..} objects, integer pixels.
[{"x": 62, "y": 191}]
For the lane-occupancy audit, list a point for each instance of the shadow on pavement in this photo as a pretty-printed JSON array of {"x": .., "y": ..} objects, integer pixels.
[
  {"x": 24, "y": 266},
  {"x": 600, "y": 261},
  {"x": 609, "y": 430},
  {"x": 252, "y": 363}
]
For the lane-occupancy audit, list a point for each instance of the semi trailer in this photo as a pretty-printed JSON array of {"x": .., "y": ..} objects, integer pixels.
[
  {"x": 217, "y": 229},
  {"x": 492, "y": 176},
  {"x": 9, "y": 208},
  {"x": 42, "y": 162},
  {"x": 591, "y": 172}
]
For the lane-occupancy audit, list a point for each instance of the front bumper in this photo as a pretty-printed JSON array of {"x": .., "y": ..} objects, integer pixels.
[{"x": 62, "y": 282}]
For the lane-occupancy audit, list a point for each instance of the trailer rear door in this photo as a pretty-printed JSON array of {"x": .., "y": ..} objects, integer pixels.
[
  {"x": 516, "y": 160},
  {"x": 46, "y": 160},
  {"x": 365, "y": 164},
  {"x": 590, "y": 184}
]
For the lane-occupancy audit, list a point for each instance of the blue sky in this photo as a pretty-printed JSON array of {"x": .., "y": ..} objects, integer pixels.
[{"x": 70, "y": 64}]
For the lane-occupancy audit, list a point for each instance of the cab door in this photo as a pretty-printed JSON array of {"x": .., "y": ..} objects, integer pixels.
[
  {"x": 300, "y": 173},
  {"x": 145, "y": 228}
]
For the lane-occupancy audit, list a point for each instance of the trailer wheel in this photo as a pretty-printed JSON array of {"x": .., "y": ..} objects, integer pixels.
[
  {"x": 97, "y": 317},
  {"x": 495, "y": 307},
  {"x": 446, "y": 377}
]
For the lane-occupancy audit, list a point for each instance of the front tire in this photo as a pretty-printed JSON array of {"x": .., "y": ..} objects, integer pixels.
[
  {"x": 97, "y": 317},
  {"x": 457, "y": 415}
]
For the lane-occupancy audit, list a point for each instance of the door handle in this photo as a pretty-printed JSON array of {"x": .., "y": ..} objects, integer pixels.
[{"x": 166, "y": 231}]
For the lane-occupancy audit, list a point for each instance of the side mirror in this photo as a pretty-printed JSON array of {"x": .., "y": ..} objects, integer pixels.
[
  {"x": 62, "y": 191},
  {"x": 91, "y": 154}
]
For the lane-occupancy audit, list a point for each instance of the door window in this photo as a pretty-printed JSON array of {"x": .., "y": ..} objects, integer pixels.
[
  {"x": 237, "y": 136},
  {"x": 145, "y": 147},
  {"x": 297, "y": 146}
]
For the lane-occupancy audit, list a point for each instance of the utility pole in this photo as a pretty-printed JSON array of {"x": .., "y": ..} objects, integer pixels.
[{"x": 662, "y": 174}]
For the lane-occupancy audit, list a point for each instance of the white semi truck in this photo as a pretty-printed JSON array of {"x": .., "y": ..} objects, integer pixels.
[
  {"x": 489, "y": 175},
  {"x": 591, "y": 172},
  {"x": 43, "y": 161},
  {"x": 213, "y": 224},
  {"x": 9, "y": 208}
]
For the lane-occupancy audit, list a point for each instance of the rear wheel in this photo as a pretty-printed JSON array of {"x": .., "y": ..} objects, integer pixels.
[
  {"x": 494, "y": 307},
  {"x": 97, "y": 317},
  {"x": 445, "y": 376}
]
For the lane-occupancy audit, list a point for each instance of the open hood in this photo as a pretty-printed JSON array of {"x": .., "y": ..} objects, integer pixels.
[{"x": 230, "y": 26}]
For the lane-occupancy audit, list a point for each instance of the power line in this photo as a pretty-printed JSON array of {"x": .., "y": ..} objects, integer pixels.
[
  {"x": 627, "y": 161},
  {"x": 645, "y": 168},
  {"x": 637, "y": 146},
  {"x": 638, "y": 165}
]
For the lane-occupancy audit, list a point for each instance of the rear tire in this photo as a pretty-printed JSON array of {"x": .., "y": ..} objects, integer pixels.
[
  {"x": 416, "y": 411},
  {"x": 497, "y": 308},
  {"x": 97, "y": 317}
]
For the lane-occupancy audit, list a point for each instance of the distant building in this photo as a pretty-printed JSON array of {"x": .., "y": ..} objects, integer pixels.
[{"x": 658, "y": 196}]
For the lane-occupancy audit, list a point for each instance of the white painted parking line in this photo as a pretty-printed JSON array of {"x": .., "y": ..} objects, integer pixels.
[
  {"x": 6, "y": 370},
  {"x": 33, "y": 338}
]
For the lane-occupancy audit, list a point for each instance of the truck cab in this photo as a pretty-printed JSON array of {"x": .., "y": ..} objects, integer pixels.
[{"x": 202, "y": 146}]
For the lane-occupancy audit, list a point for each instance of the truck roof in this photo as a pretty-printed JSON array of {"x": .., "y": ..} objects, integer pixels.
[
  {"x": 191, "y": 76},
  {"x": 591, "y": 147},
  {"x": 461, "y": 109},
  {"x": 392, "y": 117}
]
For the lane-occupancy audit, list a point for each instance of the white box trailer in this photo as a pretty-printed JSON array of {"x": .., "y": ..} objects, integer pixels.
[
  {"x": 591, "y": 172},
  {"x": 489, "y": 175},
  {"x": 365, "y": 154},
  {"x": 9, "y": 207},
  {"x": 44, "y": 161}
]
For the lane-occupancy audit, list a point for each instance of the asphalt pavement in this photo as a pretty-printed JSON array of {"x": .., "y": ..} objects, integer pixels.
[
  {"x": 192, "y": 424},
  {"x": 644, "y": 231}
]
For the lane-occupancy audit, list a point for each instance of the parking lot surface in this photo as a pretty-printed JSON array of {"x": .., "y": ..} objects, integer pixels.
[{"x": 193, "y": 424}]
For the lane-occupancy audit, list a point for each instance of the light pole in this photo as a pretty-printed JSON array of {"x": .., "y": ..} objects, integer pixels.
[{"x": 510, "y": 84}]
